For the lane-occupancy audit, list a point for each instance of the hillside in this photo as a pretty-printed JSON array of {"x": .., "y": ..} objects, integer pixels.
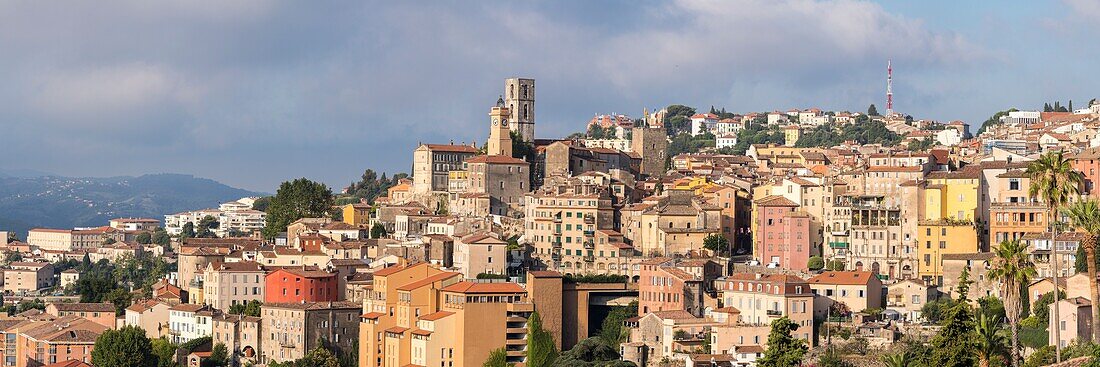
[{"x": 66, "y": 202}]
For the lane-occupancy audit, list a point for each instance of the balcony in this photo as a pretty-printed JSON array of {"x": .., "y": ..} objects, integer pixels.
[
  {"x": 589, "y": 233},
  {"x": 588, "y": 219},
  {"x": 589, "y": 258},
  {"x": 556, "y": 245},
  {"x": 774, "y": 313},
  {"x": 589, "y": 245},
  {"x": 840, "y": 233},
  {"x": 556, "y": 256}
]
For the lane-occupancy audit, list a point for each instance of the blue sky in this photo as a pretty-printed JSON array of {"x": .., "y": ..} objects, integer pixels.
[{"x": 254, "y": 92}]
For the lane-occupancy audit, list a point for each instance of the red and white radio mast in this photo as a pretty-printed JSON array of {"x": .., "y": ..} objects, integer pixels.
[{"x": 889, "y": 88}]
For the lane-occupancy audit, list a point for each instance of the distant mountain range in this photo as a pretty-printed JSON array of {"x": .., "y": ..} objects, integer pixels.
[{"x": 28, "y": 200}]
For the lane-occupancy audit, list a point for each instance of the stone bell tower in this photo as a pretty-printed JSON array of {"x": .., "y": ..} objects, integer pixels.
[{"x": 519, "y": 97}]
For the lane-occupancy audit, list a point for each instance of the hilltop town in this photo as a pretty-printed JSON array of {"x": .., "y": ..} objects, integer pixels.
[{"x": 680, "y": 237}]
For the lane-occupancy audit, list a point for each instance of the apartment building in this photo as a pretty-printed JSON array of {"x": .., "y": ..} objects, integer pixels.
[
  {"x": 432, "y": 163},
  {"x": 782, "y": 238},
  {"x": 240, "y": 334},
  {"x": 950, "y": 203},
  {"x": 51, "y": 239},
  {"x": 667, "y": 284},
  {"x": 26, "y": 277},
  {"x": 481, "y": 253},
  {"x": 42, "y": 342},
  {"x": 762, "y": 298},
  {"x": 420, "y": 315},
  {"x": 857, "y": 290},
  {"x": 503, "y": 178},
  {"x": 300, "y": 284},
  {"x": 100, "y": 313},
  {"x": 877, "y": 242},
  {"x": 561, "y": 220},
  {"x": 134, "y": 224},
  {"x": 290, "y": 330},
  {"x": 675, "y": 224},
  {"x": 187, "y": 322},
  {"x": 149, "y": 315},
  {"x": 230, "y": 283}
]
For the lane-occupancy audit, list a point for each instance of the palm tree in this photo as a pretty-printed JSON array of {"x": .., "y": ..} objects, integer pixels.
[
  {"x": 990, "y": 342},
  {"x": 900, "y": 359},
  {"x": 1012, "y": 267},
  {"x": 1055, "y": 182},
  {"x": 1085, "y": 215}
]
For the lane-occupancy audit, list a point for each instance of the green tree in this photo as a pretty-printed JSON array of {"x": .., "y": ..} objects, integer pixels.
[
  {"x": 900, "y": 359},
  {"x": 219, "y": 356},
  {"x": 541, "y": 349},
  {"x": 783, "y": 349},
  {"x": 161, "y": 237},
  {"x": 1085, "y": 215},
  {"x": 521, "y": 149},
  {"x": 497, "y": 358},
  {"x": 872, "y": 111},
  {"x": 377, "y": 231},
  {"x": 994, "y": 120},
  {"x": 611, "y": 330},
  {"x": 591, "y": 352},
  {"x": 716, "y": 243},
  {"x": 206, "y": 226},
  {"x": 954, "y": 345},
  {"x": 295, "y": 200},
  {"x": 1012, "y": 268},
  {"x": 831, "y": 358},
  {"x": 188, "y": 230},
  {"x": 815, "y": 263},
  {"x": 252, "y": 308},
  {"x": 261, "y": 204},
  {"x": 1055, "y": 182},
  {"x": 164, "y": 351},
  {"x": 144, "y": 238},
  {"x": 125, "y": 347},
  {"x": 990, "y": 342}
]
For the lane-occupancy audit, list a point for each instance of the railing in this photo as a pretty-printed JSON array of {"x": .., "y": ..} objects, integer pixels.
[
  {"x": 589, "y": 245},
  {"x": 774, "y": 313},
  {"x": 589, "y": 258}
]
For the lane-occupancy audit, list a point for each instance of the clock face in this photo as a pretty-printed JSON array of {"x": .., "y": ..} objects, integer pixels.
[{"x": 503, "y": 122}]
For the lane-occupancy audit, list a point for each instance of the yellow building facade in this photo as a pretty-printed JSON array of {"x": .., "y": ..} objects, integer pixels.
[{"x": 949, "y": 203}]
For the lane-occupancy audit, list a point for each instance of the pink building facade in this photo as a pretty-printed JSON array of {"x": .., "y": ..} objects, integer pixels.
[{"x": 784, "y": 234}]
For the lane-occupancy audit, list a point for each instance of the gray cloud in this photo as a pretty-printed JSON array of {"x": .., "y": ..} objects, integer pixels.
[{"x": 255, "y": 92}]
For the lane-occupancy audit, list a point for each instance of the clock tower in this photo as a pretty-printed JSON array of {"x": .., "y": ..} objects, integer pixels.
[{"x": 500, "y": 138}]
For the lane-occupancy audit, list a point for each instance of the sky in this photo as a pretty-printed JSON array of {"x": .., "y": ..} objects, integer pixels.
[{"x": 252, "y": 92}]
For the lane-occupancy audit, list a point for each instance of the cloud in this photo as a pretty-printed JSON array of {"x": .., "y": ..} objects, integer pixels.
[{"x": 256, "y": 91}]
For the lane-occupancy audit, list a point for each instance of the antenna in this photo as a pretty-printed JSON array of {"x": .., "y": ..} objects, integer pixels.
[{"x": 889, "y": 88}]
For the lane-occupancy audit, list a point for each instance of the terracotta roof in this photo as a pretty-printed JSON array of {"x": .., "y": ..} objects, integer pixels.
[
  {"x": 429, "y": 280},
  {"x": 452, "y": 148},
  {"x": 674, "y": 315},
  {"x": 314, "y": 305},
  {"x": 436, "y": 316},
  {"x": 495, "y": 159},
  {"x": 85, "y": 307},
  {"x": 842, "y": 278},
  {"x": 305, "y": 272},
  {"x": 373, "y": 315},
  {"x": 394, "y": 269},
  {"x": 544, "y": 274},
  {"x": 240, "y": 266},
  {"x": 776, "y": 200},
  {"x": 471, "y": 287},
  {"x": 69, "y": 363},
  {"x": 397, "y": 330}
]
